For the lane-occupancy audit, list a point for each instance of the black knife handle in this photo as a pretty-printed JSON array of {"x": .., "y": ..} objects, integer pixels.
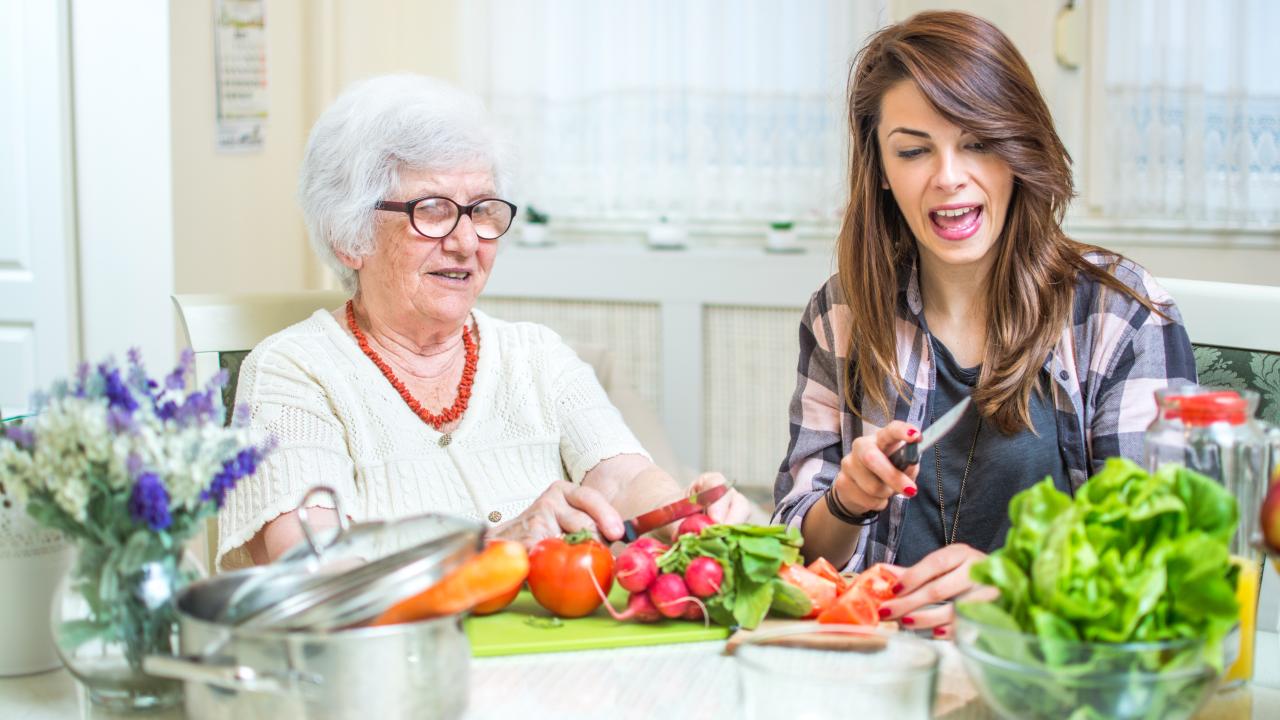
[
  {"x": 906, "y": 456},
  {"x": 629, "y": 534}
]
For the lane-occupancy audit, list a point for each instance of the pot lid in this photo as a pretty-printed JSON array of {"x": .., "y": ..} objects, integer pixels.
[{"x": 349, "y": 575}]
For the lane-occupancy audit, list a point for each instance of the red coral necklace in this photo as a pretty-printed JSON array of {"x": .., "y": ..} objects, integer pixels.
[{"x": 447, "y": 415}]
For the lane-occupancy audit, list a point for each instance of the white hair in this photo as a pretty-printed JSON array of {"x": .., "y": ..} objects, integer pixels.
[{"x": 360, "y": 144}]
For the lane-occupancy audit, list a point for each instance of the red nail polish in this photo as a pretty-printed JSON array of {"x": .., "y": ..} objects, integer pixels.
[
  {"x": 909, "y": 491},
  {"x": 939, "y": 632},
  {"x": 911, "y": 432},
  {"x": 897, "y": 588},
  {"x": 908, "y": 620},
  {"x": 884, "y": 613}
]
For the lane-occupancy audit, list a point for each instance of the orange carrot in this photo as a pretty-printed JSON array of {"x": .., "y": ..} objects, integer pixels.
[{"x": 496, "y": 571}]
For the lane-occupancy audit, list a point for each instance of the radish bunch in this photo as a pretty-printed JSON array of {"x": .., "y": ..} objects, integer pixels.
[{"x": 654, "y": 594}]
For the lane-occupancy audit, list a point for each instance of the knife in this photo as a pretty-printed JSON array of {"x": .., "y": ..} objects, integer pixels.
[
  {"x": 909, "y": 454},
  {"x": 684, "y": 507},
  {"x": 906, "y": 456}
]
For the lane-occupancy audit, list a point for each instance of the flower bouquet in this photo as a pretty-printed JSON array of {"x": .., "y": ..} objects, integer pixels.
[{"x": 128, "y": 469}]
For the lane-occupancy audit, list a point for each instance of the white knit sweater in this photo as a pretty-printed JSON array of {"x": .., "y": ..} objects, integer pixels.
[{"x": 537, "y": 414}]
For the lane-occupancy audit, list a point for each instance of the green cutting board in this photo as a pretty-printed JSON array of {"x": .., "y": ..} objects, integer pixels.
[{"x": 525, "y": 627}]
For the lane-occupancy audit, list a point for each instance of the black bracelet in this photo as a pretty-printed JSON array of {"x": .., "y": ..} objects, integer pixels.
[{"x": 841, "y": 513}]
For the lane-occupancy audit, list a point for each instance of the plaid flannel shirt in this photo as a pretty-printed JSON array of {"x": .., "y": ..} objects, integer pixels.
[{"x": 1104, "y": 370}]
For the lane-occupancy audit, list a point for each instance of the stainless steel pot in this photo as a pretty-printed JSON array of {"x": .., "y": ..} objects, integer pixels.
[{"x": 415, "y": 670}]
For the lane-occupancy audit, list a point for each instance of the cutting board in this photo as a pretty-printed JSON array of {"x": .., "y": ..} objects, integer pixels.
[{"x": 525, "y": 627}]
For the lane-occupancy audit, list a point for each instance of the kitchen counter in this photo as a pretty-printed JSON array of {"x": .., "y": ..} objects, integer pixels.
[{"x": 554, "y": 686}]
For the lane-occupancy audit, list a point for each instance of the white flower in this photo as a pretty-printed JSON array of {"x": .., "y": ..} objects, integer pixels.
[{"x": 15, "y": 470}]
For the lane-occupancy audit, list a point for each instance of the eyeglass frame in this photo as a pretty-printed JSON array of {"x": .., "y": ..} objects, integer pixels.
[{"x": 407, "y": 207}]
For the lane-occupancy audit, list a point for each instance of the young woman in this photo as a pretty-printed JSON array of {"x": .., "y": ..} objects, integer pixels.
[{"x": 957, "y": 281}]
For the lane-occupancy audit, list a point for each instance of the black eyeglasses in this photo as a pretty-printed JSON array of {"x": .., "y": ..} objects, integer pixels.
[{"x": 436, "y": 217}]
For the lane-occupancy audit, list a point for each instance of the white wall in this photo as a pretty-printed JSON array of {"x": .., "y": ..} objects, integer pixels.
[
  {"x": 120, "y": 60},
  {"x": 237, "y": 227},
  {"x": 237, "y": 223}
]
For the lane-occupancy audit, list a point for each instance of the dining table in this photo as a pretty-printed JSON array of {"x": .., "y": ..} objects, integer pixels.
[{"x": 689, "y": 680}]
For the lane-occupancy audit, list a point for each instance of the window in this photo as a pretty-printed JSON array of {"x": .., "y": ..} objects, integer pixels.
[
  {"x": 1191, "y": 111},
  {"x": 701, "y": 111}
]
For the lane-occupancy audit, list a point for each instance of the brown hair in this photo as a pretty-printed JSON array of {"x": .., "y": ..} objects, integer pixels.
[{"x": 973, "y": 76}]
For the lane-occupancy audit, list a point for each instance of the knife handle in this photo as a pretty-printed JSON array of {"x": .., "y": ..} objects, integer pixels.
[
  {"x": 629, "y": 534},
  {"x": 906, "y": 456}
]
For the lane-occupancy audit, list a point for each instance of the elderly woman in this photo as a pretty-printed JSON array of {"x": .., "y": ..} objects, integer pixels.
[
  {"x": 956, "y": 281},
  {"x": 408, "y": 399}
]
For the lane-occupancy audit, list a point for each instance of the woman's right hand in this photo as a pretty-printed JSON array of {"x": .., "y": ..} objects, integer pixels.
[
  {"x": 563, "y": 508},
  {"x": 867, "y": 479}
]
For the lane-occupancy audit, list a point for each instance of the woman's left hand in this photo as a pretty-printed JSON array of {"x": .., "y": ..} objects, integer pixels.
[
  {"x": 937, "y": 579},
  {"x": 731, "y": 509}
]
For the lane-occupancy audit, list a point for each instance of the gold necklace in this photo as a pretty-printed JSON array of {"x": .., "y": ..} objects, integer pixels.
[{"x": 937, "y": 467}]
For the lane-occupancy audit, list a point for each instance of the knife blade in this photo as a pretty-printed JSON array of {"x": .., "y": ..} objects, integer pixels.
[
  {"x": 684, "y": 507},
  {"x": 909, "y": 454}
]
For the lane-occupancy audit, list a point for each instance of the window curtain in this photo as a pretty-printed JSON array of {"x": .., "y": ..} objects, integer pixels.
[
  {"x": 697, "y": 110},
  {"x": 1192, "y": 101}
]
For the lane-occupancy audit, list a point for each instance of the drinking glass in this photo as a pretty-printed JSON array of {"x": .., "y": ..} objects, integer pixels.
[{"x": 825, "y": 671}]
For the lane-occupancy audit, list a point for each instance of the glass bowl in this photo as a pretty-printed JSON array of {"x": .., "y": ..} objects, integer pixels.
[
  {"x": 1027, "y": 676},
  {"x": 825, "y": 671}
]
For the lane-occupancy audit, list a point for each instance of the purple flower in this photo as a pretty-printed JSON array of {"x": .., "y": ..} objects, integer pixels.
[
  {"x": 82, "y": 379},
  {"x": 120, "y": 420},
  {"x": 244, "y": 464},
  {"x": 167, "y": 410},
  {"x": 218, "y": 380},
  {"x": 198, "y": 407},
  {"x": 177, "y": 380},
  {"x": 23, "y": 437},
  {"x": 118, "y": 395},
  {"x": 149, "y": 502}
]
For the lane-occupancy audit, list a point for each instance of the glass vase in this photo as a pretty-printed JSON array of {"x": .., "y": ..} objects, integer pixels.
[{"x": 114, "y": 608}]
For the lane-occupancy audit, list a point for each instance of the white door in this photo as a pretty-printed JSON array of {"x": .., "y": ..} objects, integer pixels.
[{"x": 38, "y": 327}]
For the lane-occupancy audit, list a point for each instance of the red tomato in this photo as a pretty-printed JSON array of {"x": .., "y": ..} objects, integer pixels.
[
  {"x": 823, "y": 568},
  {"x": 821, "y": 591},
  {"x": 560, "y": 571}
]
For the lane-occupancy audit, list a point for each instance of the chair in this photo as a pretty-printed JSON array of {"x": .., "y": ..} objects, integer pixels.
[
  {"x": 1236, "y": 336},
  {"x": 1236, "y": 339},
  {"x": 222, "y": 329}
]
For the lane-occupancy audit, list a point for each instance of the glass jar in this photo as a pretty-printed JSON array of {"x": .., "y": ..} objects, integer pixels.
[
  {"x": 1165, "y": 439},
  {"x": 114, "y": 608},
  {"x": 1213, "y": 432}
]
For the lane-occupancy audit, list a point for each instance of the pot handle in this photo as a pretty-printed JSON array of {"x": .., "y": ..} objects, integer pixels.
[
  {"x": 343, "y": 524},
  {"x": 225, "y": 674}
]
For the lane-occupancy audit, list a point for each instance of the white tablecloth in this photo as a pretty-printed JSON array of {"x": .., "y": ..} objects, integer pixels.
[{"x": 685, "y": 681}]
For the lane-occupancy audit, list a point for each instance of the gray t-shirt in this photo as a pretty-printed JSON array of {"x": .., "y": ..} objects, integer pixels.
[{"x": 1002, "y": 466}]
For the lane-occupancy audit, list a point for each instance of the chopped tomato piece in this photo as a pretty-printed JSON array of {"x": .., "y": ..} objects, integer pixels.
[
  {"x": 860, "y": 604},
  {"x": 823, "y": 568},
  {"x": 877, "y": 583},
  {"x": 852, "y": 608},
  {"x": 820, "y": 591}
]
